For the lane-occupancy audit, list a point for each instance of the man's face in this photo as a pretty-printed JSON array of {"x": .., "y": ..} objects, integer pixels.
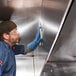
[{"x": 13, "y": 36}]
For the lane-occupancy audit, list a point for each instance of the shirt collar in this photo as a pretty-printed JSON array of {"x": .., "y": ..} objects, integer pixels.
[{"x": 6, "y": 44}]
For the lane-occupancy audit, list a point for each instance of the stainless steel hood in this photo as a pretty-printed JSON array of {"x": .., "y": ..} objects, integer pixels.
[
  {"x": 28, "y": 14},
  {"x": 61, "y": 59}
]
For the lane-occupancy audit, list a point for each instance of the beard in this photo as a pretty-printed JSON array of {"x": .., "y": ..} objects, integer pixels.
[{"x": 15, "y": 41}]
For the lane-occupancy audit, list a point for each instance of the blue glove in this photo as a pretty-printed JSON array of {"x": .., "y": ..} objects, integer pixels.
[
  {"x": 32, "y": 45},
  {"x": 18, "y": 49}
]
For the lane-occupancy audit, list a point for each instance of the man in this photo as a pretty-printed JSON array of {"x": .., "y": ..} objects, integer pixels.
[{"x": 8, "y": 38}]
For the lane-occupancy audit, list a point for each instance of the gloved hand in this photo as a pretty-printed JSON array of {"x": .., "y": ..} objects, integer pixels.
[
  {"x": 32, "y": 45},
  {"x": 18, "y": 49}
]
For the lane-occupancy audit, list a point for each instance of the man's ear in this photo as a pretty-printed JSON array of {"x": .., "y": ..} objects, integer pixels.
[{"x": 5, "y": 36}]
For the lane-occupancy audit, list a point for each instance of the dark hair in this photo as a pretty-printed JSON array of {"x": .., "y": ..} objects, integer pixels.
[{"x": 6, "y": 27}]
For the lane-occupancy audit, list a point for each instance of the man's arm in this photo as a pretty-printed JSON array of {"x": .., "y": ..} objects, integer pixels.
[
  {"x": 0, "y": 70},
  {"x": 33, "y": 45},
  {"x": 20, "y": 49},
  {"x": 3, "y": 60}
]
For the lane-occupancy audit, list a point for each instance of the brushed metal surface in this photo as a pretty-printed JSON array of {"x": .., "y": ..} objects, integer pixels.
[
  {"x": 61, "y": 60},
  {"x": 28, "y": 14}
]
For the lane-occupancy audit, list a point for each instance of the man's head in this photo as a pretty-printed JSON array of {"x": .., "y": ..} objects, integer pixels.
[{"x": 8, "y": 32}]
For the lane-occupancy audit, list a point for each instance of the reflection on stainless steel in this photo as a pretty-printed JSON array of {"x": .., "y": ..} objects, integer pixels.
[
  {"x": 61, "y": 24},
  {"x": 51, "y": 26},
  {"x": 61, "y": 60},
  {"x": 27, "y": 14},
  {"x": 20, "y": 4},
  {"x": 55, "y": 4}
]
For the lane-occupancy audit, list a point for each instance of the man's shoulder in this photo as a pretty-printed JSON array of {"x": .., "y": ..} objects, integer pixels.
[
  {"x": 3, "y": 49},
  {"x": 3, "y": 53},
  {"x": 1, "y": 45}
]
